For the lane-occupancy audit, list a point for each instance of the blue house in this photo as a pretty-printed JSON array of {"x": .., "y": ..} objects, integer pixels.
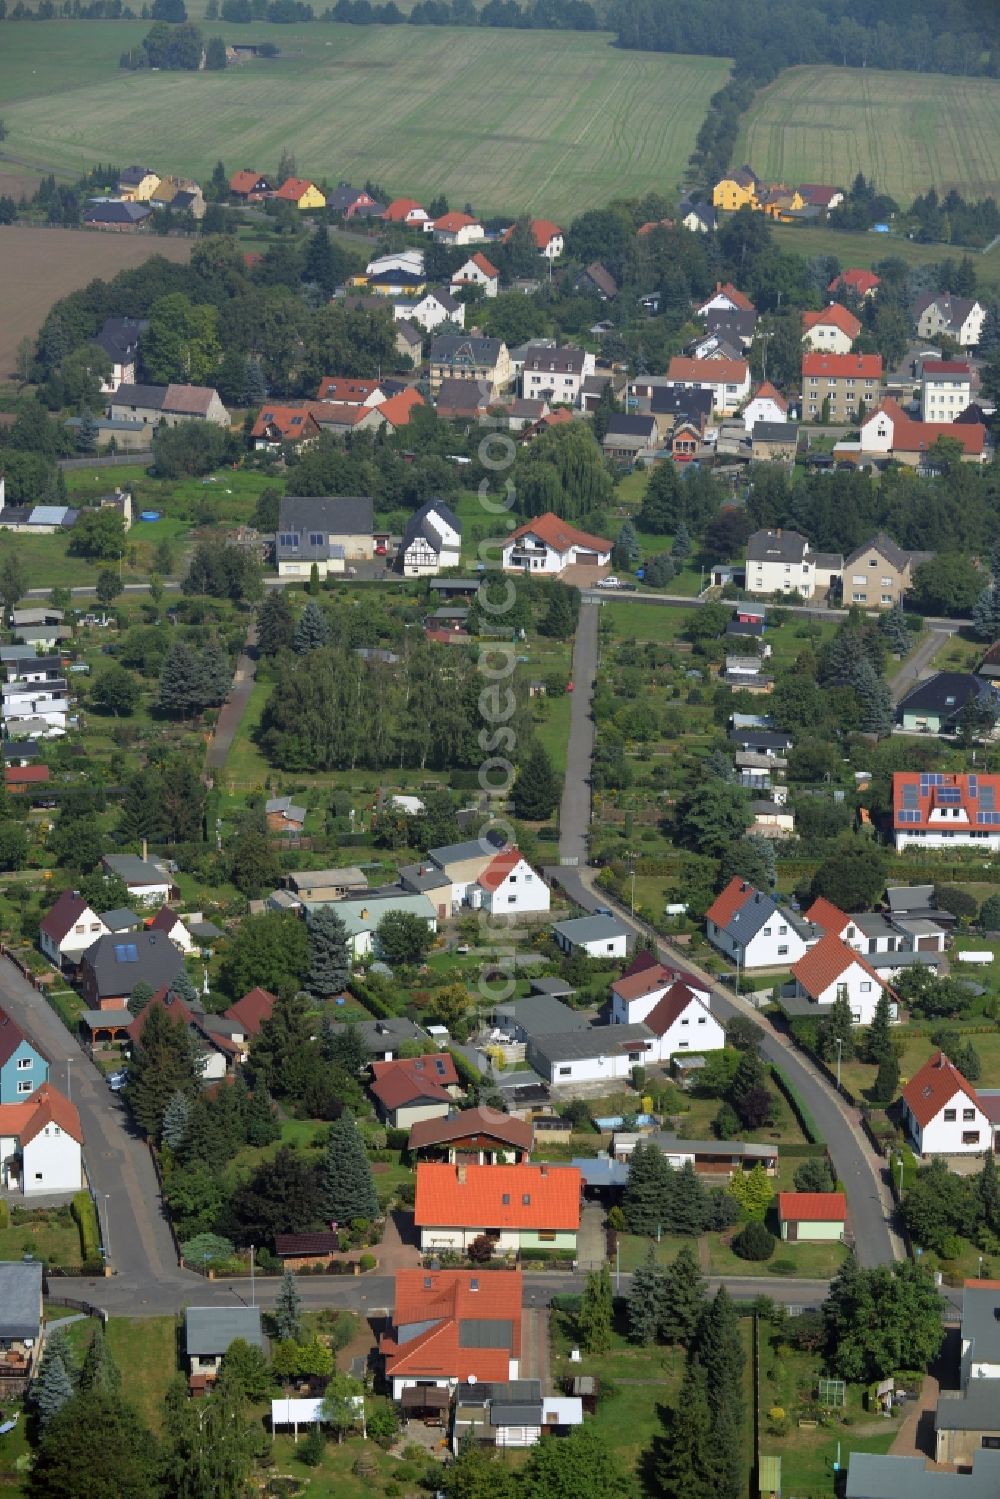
[{"x": 22, "y": 1067}]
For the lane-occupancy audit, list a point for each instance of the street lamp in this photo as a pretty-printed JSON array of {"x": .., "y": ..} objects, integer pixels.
[
  {"x": 840, "y": 1051},
  {"x": 253, "y": 1296},
  {"x": 107, "y": 1227},
  {"x": 69, "y": 1079}
]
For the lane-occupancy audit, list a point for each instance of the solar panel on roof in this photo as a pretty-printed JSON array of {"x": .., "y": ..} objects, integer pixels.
[
  {"x": 973, "y": 786},
  {"x": 126, "y": 952},
  {"x": 909, "y": 796},
  {"x": 949, "y": 796},
  {"x": 990, "y": 818},
  {"x": 986, "y": 797}
]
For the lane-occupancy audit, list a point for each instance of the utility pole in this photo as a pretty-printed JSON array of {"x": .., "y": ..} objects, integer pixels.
[{"x": 253, "y": 1288}]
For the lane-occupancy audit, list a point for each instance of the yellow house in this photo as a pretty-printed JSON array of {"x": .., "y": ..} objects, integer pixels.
[
  {"x": 302, "y": 193},
  {"x": 738, "y": 190},
  {"x": 137, "y": 184},
  {"x": 780, "y": 202}
]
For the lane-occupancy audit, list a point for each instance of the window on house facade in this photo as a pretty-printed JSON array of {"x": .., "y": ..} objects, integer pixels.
[
  {"x": 25, "y": 1087},
  {"x": 950, "y": 1115},
  {"x": 968, "y": 1114}
]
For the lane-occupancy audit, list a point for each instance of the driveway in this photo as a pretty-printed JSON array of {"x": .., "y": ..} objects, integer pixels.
[
  {"x": 591, "y": 1242},
  {"x": 233, "y": 709},
  {"x": 574, "y": 813},
  {"x": 916, "y": 664}
]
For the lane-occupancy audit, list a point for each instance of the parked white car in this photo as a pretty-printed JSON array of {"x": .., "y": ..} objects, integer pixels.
[{"x": 609, "y": 582}]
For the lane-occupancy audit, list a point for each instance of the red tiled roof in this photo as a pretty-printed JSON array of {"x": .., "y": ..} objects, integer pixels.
[
  {"x": 542, "y": 231},
  {"x": 245, "y": 181},
  {"x": 176, "y": 1009},
  {"x": 924, "y": 797},
  {"x": 860, "y": 281},
  {"x": 933, "y": 1087},
  {"x": 823, "y": 964},
  {"x": 25, "y": 775},
  {"x": 499, "y": 868},
  {"x": 736, "y": 297},
  {"x": 406, "y": 1079},
  {"x": 452, "y": 222},
  {"x": 824, "y": 914},
  {"x": 709, "y": 371},
  {"x": 61, "y": 917},
  {"x": 473, "y": 1122},
  {"x": 398, "y": 409},
  {"x": 768, "y": 392},
  {"x": 812, "y": 1207},
  {"x": 345, "y": 389},
  {"x": 643, "y": 959},
  {"x": 337, "y": 413},
  {"x": 473, "y": 1197},
  {"x": 843, "y": 366},
  {"x": 671, "y": 1007},
  {"x": 45, "y": 1106},
  {"x": 252, "y": 1010},
  {"x": 447, "y": 1299},
  {"x": 399, "y": 208},
  {"x": 486, "y": 266},
  {"x": 559, "y": 535},
  {"x": 293, "y": 188},
  {"x": 725, "y": 905},
  {"x": 292, "y": 422},
  {"x": 836, "y": 314},
  {"x": 945, "y": 367},
  {"x": 909, "y": 436},
  {"x": 634, "y": 985}
]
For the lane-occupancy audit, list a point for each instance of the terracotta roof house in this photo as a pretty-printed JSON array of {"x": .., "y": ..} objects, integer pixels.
[
  {"x": 725, "y": 296},
  {"x": 821, "y": 195},
  {"x": 933, "y": 809},
  {"x": 891, "y": 432},
  {"x": 276, "y": 425},
  {"x": 598, "y": 279},
  {"x": 863, "y": 283},
  {"x": 944, "y": 1114},
  {"x": 453, "y": 1326},
  {"x": 517, "y": 1207},
  {"x": 847, "y": 382},
  {"x": 405, "y": 211},
  {"x": 354, "y": 203},
  {"x": 457, "y": 229},
  {"x": 477, "y": 271},
  {"x": 398, "y": 410},
  {"x": 41, "y": 1144},
  {"x": 480, "y": 1136},
  {"x": 413, "y": 1088},
  {"x": 252, "y": 1010},
  {"x": 548, "y": 545},
  {"x": 548, "y": 237},
  {"x": 509, "y": 884},
  {"x": 830, "y": 969},
  {"x": 300, "y": 191},
  {"x": 251, "y": 187},
  {"x": 810, "y": 1216},
  {"x": 349, "y": 391},
  {"x": 833, "y": 329}
]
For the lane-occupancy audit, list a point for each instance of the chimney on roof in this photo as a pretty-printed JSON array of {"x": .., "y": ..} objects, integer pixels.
[
  {"x": 545, "y": 1170},
  {"x": 461, "y": 1176}
]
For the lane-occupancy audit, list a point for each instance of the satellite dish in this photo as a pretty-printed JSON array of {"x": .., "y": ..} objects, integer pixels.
[{"x": 471, "y": 1379}]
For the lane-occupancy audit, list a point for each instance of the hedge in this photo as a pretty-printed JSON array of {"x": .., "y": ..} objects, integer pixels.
[
  {"x": 85, "y": 1213},
  {"x": 371, "y": 1001},
  {"x": 467, "y": 1074},
  {"x": 802, "y": 1114}
]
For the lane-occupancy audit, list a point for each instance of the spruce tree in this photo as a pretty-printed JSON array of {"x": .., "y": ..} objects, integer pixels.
[
  {"x": 683, "y": 1301},
  {"x": 878, "y": 1037},
  {"x": 312, "y": 630},
  {"x": 53, "y": 1385},
  {"x": 346, "y": 1187},
  {"x": 682, "y": 542},
  {"x": 968, "y": 1062},
  {"x": 645, "y": 1299},
  {"x": 255, "y": 389},
  {"x": 626, "y": 553},
  {"x": 87, "y": 433},
  {"x": 837, "y": 1026},
  {"x": 262, "y": 1128},
  {"x": 164, "y": 1062},
  {"x": 140, "y": 997},
  {"x": 646, "y": 1201},
  {"x": 177, "y": 1121},
  {"x": 886, "y": 1084},
  {"x": 99, "y": 1371},
  {"x": 320, "y": 266},
  {"x": 288, "y": 1310},
  {"x": 989, "y": 334},
  {"x": 216, "y": 674},
  {"x": 720, "y": 1350},
  {"x": 875, "y": 700},
  {"x": 988, "y": 1193},
  {"x": 686, "y": 1213},
  {"x": 893, "y": 626},
  {"x": 182, "y": 986},
  {"x": 329, "y": 954},
  {"x": 986, "y": 614},
  {"x": 683, "y": 1455},
  {"x": 275, "y": 623},
  {"x": 180, "y": 681},
  {"x": 559, "y": 620},
  {"x": 536, "y": 789},
  {"x": 596, "y": 1315}
]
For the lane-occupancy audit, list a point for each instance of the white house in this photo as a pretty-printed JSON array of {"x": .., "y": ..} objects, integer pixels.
[
  {"x": 679, "y": 1021},
  {"x": 69, "y": 928},
  {"x": 548, "y": 545},
  {"x": 683, "y": 1021},
  {"x": 408, "y": 262},
  {"x": 833, "y": 330},
  {"x": 555, "y": 375},
  {"x": 752, "y": 930},
  {"x": 456, "y": 229},
  {"x": 831, "y": 969},
  {"x": 361, "y": 917},
  {"x": 960, "y": 317},
  {"x": 477, "y": 271},
  {"x": 548, "y": 238},
  {"x": 943, "y": 1112},
  {"x": 48, "y": 701},
  {"x": 148, "y": 881},
  {"x": 170, "y": 923},
  {"x": 725, "y": 298},
  {"x": 728, "y": 380},
  {"x": 932, "y": 809},
  {"x": 509, "y": 886},
  {"x": 946, "y": 389},
  {"x": 41, "y": 1144},
  {"x": 596, "y": 936},
  {"x": 783, "y": 562},
  {"x": 431, "y": 541},
  {"x": 980, "y": 1357},
  {"x": 431, "y": 310},
  {"x": 636, "y": 994},
  {"x": 765, "y": 405}
]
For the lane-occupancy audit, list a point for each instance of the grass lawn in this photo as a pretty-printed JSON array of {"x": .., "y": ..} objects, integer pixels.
[
  {"x": 335, "y": 1477},
  {"x": 862, "y": 249},
  {"x": 574, "y": 122},
  {"x": 46, "y": 1234},
  {"x": 145, "y": 1349},
  {"x": 245, "y": 765},
  {"x": 553, "y": 730},
  {"x": 810, "y": 1261},
  {"x": 908, "y": 131},
  {"x": 859, "y": 1076}
]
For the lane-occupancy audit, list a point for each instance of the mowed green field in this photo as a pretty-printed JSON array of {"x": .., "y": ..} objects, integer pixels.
[
  {"x": 543, "y": 122},
  {"x": 910, "y": 131}
]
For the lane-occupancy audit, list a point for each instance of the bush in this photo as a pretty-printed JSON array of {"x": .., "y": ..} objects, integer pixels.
[
  {"x": 951, "y": 1247},
  {"x": 367, "y": 1262},
  {"x": 4, "y": 1213},
  {"x": 755, "y": 1242},
  {"x": 86, "y": 1221}
]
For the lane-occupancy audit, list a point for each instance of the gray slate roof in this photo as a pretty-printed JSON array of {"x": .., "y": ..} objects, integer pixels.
[
  {"x": 148, "y": 397},
  {"x": 325, "y": 515},
  {"x": 946, "y": 693},
  {"x": 474, "y": 848},
  {"x": 210, "y": 1329},
  {"x": 419, "y": 525},
  {"x": 20, "y": 1298},
  {"x": 540, "y": 1014},
  {"x": 382, "y": 1035},
  {"x": 463, "y": 349},
  {"x": 118, "y": 962},
  {"x": 775, "y": 432},
  {"x": 978, "y": 1409},
  {"x": 981, "y": 1323},
  {"x": 590, "y": 929},
  {"x": 871, "y": 1476},
  {"x": 591, "y": 1041},
  {"x": 135, "y": 871},
  {"x": 776, "y": 546},
  {"x": 745, "y": 923},
  {"x": 885, "y": 546}
]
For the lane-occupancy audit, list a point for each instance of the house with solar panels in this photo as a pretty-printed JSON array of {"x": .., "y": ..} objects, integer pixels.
[{"x": 932, "y": 809}]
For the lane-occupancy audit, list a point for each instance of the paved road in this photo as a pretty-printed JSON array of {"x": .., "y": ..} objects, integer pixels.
[
  {"x": 917, "y": 662},
  {"x": 141, "y": 1247},
  {"x": 574, "y": 814}
]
